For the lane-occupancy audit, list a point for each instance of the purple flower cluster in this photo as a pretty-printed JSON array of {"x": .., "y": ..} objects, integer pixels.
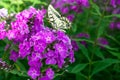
[
  {"x": 102, "y": 41},
  {"x": 114, "y": 3},
  {"x": 66, "y": 6},
  {"x": 115, "y": 25},
  {"x": 42, "y": 46},
  {"x": 80, "y": 35}
]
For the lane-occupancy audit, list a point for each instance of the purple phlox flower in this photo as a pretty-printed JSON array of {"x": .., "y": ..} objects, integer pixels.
[
  {"x": 37, "y": 55},
  {"x": 2, "y": 30},
  {"x": 32, "y": 10},
  {"x": 71, "y": 17},
  {"x": 76, "y": 8},
  {"x": 33, "y": 62},
  {"x": 62, "y": 49},
  {"x": 60, "y": 62},
  {"x": 62, "y": 37},
  {"x": 75, "y": 5},
  {"x": 38, "y": 20},
  {"x": 51, "y": 57},
  {"x": 75, "y": 46},
  {"x": 44, "y": 78},
  {"x": 83, "y": 2},
  {"x": 24, "y": 49},
  {"x": 11, "y": 34},
  {"x": 18, "y": 29},
  {"x": 50, "y": 73},
  {"x": 116, "y": 11},
  {"x": 51, "y": 61},
  {"x": 83, "y": 35},
  {"x": 2, "y": 24},
  {"x": 26, "y": 14},
  {"x": 49, "y": 37},
  {"x": 40, "y": 14},
  {"x": 69, "y": 1},
  {"x": 38, "y": 36},
  {"x": 14, "y": 55},
  {"x": 33, "y": 72},
  {"x": 113, "y": 3},
  {"x": 21, "y": 26},
  {"x": 64, "y": 10},
  {"x": 40, "y": 46},
  {"x": 51, "y": 53},
  {"x": 71, "y": 55},
  {"x": 112, "y": 25},
  {"x": 59, "y": 4},
  {"x": 118, "y": 25},
  {"x": 102, "y": 41}
]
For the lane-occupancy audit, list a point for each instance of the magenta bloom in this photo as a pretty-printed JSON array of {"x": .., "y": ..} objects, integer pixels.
[
  {"x": 71, "y": 17},
  {"x": 103, "y": 41},
  {"x": 75, "y": 46},
  {"x": 114, "y": 3},
  {"x": 112, "y": 25},
  {"x": 34, "y": 73},
  {"x": 62, "y": 49},
  {"x": 64, "y": 10},
  {"x": 14, "y": 56},
  {"x": 118, "y": 25},
  {"x": 68, "y": 6},
  {"x": 83, "y": 35},
  {"x": 50, "y": 73},
  {"x": 2, "y": 30},
  {"x": 51, "y": 57},
  {"x": 44, "y": 78}
]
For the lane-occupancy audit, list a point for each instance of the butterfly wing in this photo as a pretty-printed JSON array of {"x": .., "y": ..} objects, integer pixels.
[{"x": 57, "y": 21}]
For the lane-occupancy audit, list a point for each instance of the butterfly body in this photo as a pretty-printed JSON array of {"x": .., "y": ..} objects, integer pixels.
[{"x": 57, "y": 21}]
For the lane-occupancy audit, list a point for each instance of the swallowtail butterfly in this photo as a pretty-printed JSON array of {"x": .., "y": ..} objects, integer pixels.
[{"x": 57, "y": 21}]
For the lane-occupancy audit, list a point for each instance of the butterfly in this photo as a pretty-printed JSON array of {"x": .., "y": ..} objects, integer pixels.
[{"x": 57, "y": 21}]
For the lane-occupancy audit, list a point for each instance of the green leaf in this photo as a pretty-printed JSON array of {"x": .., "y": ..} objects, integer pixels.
[
  {"x": 74, "y": 27},
  {"x": 110, "y": 48},
  {"x": 78, "y": 68},
  {"x": 101, "y": 65},
  {"x": 98, "y": 53},
  {"x": 96, "y": 8},
  {"x": 100, "y": 31},
  {"x": 113, "y": 15},
  {"x": 80, "y": 76},
  {"x": 20, "y": 73},
  {"x": 3, "y": 4},
  {"x": 117, "y": 54},
  {"x": 16, "y": 2},
  {"x": 113, "y": 39},
  {"x": 80, "y": 39},
  {"x": 84, "y": 50},
  {"x": 20, "y": 66}
]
